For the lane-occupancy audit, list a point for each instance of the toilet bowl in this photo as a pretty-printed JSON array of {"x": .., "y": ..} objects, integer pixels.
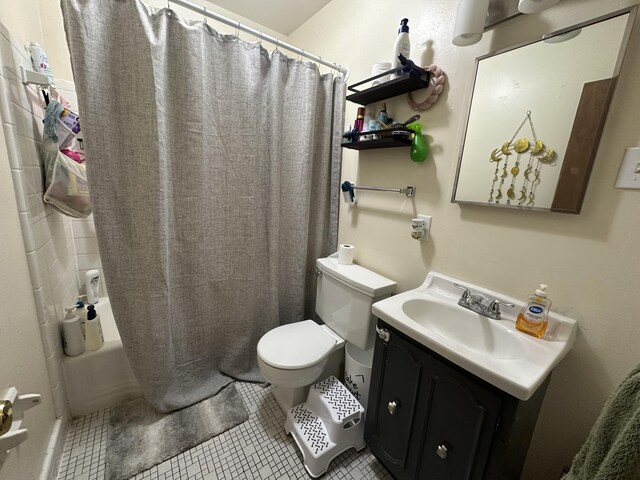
[{"x": 293, "y": 357}]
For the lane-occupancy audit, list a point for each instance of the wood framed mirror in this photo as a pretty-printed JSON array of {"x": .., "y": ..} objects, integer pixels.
[{"x": 536, "y": 116}]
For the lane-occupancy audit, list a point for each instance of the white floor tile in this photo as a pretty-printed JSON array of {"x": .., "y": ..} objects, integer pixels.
[{"x": 255, "y": 449}]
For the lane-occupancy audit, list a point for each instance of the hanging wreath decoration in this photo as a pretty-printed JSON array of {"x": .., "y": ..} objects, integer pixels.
[
  {"x": 437, "y": 84},
  {"x": 539, "y": 154}
]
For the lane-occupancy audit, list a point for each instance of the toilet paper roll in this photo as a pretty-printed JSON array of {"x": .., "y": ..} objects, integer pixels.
[{"x": 345, "y": 254}]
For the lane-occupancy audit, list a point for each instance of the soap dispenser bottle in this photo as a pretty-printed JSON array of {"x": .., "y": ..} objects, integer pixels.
[
  {"x": 92, "y": 284},
  {"x": 402, "y": 45},
  {"x": 72, "y": 338},
  {"x": 81, "y": 311},
  {"x": 534, "y": 316},
  {"x": 94, "y": 338}
]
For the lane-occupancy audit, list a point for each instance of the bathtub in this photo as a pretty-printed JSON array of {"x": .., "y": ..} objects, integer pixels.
[{"x": 102, "y": 378}]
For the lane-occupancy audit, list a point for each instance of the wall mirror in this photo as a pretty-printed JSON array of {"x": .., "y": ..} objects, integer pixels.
[{"x": 536, "y": 116}]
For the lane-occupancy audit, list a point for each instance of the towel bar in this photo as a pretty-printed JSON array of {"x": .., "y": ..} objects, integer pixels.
[{"x": 349, "y": 188}]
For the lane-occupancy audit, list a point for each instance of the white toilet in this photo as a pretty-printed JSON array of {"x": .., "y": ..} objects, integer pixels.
[{"x": 292, "y": 357}]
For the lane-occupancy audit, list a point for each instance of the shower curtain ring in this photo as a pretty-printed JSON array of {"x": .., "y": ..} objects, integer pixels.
[
  {"x": 205, "y": 15},
  {"x": 277, "y": 44},
  {"x": 238, "y": 30}
]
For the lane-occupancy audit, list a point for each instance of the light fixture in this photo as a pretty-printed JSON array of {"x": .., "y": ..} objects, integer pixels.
[
  {"x": 470, "y": 21},
  {"x": 535, "y": 6},
  {"x": 563, "y": 37}
]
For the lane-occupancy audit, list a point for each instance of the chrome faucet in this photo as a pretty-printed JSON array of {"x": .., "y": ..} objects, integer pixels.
[{"x": 475, "y": 303}]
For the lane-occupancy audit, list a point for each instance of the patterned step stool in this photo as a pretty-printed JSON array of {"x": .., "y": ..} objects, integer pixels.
[{"x": 328, "y": 423}]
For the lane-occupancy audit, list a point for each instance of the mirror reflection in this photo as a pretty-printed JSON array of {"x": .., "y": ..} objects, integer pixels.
[{"x": 536, "y": 115}]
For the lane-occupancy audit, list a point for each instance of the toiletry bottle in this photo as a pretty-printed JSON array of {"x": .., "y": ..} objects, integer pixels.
[
  {"x": 366, "y": 125},
  {"x": 359, "y": 123},
  {"x": 92, "y": 284},
  {"x": 39, "y": 60},
  {"x": 534, "y": 316},
  {"x": 72, "y": 338},
  {"x": 402, "y": 45},
  {"x": 382, "y": 116},
  {"x": 81, "y": 311},
  {"x": 373, "y": 126},
  {"x": 94, "y": 339}
]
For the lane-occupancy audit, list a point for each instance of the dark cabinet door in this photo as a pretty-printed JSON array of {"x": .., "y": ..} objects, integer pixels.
[
  {"x": 428, "y": 419},
  {"x": 393, "y": 406},
  {"x": 462, "y": 417}
]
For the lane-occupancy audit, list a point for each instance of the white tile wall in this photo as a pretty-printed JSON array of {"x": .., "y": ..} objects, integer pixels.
[
  {"x": 88, "y": 255},
  {"x": 48, "y": 235}
]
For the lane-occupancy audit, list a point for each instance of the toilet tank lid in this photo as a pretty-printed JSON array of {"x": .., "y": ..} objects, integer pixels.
[
  {"x": 296, "y": 345},
  {"x": 362, "y": 279}
]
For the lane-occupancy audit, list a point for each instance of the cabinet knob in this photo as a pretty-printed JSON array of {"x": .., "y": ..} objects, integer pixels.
[
  {"x": 442, "y": 451},
  {"x": 393, "y": 406}
]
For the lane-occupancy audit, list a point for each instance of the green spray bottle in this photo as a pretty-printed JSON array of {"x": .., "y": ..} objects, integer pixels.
[{"x": 419, "y": 148}]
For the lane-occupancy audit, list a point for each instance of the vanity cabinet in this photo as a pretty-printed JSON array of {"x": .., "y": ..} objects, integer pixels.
[{"x": 429, "y": 419}]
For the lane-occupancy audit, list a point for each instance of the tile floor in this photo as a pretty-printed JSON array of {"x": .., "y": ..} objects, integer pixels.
[{"x": 256, "y": 449}]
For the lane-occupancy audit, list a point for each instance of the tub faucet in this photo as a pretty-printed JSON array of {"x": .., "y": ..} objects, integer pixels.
[{"x": 475, "y": 303}]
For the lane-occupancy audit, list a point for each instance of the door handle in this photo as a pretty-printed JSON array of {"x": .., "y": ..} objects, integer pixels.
[{"x": 393, "y": 406}]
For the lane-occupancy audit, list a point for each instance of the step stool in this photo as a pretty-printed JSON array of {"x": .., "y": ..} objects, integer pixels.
[{"x": 328, "y": 423}]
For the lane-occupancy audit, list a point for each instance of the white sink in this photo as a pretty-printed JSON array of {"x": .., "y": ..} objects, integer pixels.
[{"x": 490, "y": 349}]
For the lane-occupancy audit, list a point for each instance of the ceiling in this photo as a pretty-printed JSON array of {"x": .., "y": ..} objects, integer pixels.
[{"x": 283, "y": 16}]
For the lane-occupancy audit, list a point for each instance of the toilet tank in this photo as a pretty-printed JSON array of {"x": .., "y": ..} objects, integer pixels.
[{"x": 344, "y": 295}]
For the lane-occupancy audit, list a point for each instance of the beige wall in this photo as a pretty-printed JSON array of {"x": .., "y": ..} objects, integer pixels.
[{"x": 590, "y": 261}]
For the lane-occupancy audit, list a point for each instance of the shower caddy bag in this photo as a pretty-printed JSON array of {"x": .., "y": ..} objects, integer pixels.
[
  {"x": 66, "y": 187},
  {"x": 66, "y": 184}
]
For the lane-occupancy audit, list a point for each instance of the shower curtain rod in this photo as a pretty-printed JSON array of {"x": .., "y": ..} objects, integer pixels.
[{"x": 263, "y": 36}]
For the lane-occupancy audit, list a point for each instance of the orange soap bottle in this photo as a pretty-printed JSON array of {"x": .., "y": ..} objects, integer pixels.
[{"x": 534, "y": 316}]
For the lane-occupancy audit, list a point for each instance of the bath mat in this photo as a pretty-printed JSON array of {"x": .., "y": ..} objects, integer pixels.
[{"x": 139, "y": 437}]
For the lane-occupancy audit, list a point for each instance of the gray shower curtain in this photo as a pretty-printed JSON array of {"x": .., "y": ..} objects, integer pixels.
[{"x": 214, "y": 173}]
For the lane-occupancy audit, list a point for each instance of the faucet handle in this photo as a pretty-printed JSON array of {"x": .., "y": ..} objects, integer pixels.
[
  {"x": 494, "y": 307},
  {"x": 466, "y": 293}
]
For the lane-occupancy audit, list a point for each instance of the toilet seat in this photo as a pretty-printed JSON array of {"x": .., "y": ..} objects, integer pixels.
[{"x": 295, "y": 346}]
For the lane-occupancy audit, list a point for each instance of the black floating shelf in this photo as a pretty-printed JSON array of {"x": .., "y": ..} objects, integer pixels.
[
  {"x": 378, "y": 143},
  {"x": 408, "y": 82}
]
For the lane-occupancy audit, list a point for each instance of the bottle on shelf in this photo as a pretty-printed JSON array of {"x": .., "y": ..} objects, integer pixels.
[
  {"x": 382, "y": 116},
  {"x": 359, "y": 123},
  {"x": 95, "y": 338},
  {"x": 402, "y": 45},
  {"x": 81, "y": 311},
  {"x": 72, "y": 338}
]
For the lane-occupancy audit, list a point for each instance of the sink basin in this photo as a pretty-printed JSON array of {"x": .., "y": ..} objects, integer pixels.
[
  {"x": 490, "y": 349},
  {"x": 470, "y": 330}
]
